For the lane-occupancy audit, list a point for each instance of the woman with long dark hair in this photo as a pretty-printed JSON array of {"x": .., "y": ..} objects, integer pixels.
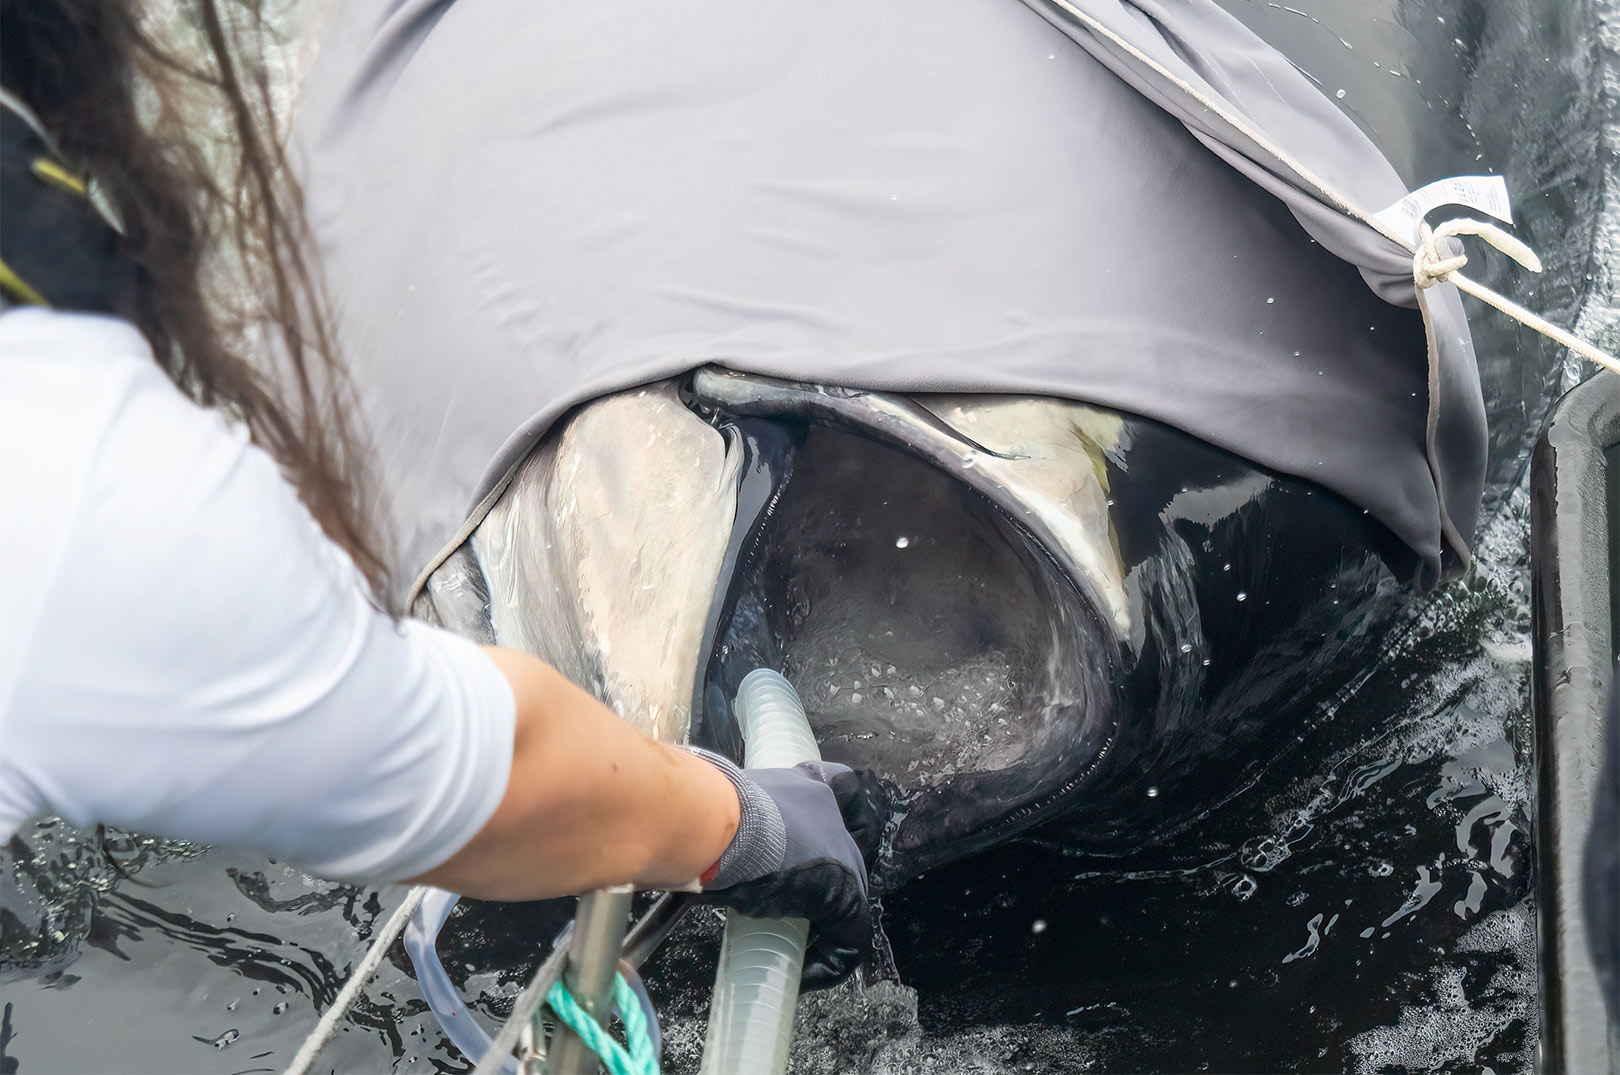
[{"x": 191, "y": 641}]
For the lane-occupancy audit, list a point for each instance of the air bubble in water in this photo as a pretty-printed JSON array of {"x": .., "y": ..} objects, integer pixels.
[
  {"x": 224, "y": 1040},
  {"x": 1263, "y": 853}
]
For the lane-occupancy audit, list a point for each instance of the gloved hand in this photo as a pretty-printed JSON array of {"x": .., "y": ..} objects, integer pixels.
[{"x": 805, "y": 838}]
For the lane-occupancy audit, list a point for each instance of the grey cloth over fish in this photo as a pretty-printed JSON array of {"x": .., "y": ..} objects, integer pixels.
[{"x": 522, "y": 207}]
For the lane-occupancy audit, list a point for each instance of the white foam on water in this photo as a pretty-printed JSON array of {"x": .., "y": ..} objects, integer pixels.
[
  {"x": 1460, "y": 1022},
  {"x": 1599, "y": 319},
  {"x": 50, "y": 880},
  {"x": 1470, "y": 710},
  {"x": 874, "y": 1029}
]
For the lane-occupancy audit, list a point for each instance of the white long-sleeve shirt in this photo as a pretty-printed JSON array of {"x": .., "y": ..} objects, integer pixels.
[{"x": 183, "y": 651}]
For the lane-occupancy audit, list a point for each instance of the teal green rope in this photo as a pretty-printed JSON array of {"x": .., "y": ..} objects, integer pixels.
[{"x": 639, "y": 1059}]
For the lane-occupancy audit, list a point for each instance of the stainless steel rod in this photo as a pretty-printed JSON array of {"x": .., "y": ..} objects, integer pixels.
[
  {"x": 593, "y": 959},
  {"x": 655, "y": 926}
]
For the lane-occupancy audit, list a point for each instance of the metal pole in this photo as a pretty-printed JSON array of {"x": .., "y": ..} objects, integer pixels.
[
  {"x": 655, "y": 926},
  {"x": 593, "y": 959}
]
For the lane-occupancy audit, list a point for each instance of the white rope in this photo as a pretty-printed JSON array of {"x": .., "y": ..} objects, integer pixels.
[
  {"x": 1429, "y": 265},
  {"x": 327, "y": 1027},
  {"x": 523, "y": 1008},
  {"x": 1432, "y": 264}
]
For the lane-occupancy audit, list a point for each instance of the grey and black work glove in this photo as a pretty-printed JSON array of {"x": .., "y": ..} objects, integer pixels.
[{"x": 805, "y": 838}]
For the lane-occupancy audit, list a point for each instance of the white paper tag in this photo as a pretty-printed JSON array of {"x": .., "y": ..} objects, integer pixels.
[{"x": 1486, "y": 193}]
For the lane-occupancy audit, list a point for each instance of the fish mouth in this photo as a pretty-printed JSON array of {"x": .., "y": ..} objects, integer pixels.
[
  {"x": 1007, "y": 607},
  {"x": 937, "y": 575},
  {"x": 936, "y": 636}
]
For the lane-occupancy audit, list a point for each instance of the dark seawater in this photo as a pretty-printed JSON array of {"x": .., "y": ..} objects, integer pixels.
[{"x": 1364, "y": 903}]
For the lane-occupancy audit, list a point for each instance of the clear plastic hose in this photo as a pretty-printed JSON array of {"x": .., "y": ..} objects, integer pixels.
[
  {"x": 776, "y": 734},
  {"x": 757, "y": 986},
  {"x": 443, "y": 998},
  {"x": 445, "y": 1001}
]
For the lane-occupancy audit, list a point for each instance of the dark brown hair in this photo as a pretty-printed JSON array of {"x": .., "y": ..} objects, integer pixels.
[{"x": 185, "y": 147}]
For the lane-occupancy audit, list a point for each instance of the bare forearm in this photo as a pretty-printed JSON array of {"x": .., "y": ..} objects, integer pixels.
[{"x": 590, "y": 802}]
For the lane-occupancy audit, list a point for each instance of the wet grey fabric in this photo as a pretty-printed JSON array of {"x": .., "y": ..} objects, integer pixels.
[{"x": 522, "y": 207}]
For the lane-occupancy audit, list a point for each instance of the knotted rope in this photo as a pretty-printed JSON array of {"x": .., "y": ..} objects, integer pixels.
[
  {"x": 1429, "y": 265},
  {"x": 1434, "y": 263}
]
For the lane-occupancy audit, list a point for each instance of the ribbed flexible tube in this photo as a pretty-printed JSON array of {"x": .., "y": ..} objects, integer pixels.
[
  {"x": 776, "y": 734},
  {"x": 757, "y": 985}
]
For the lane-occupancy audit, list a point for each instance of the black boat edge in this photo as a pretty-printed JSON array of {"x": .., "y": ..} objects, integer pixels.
[{"x": 1575, "y": 565}]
